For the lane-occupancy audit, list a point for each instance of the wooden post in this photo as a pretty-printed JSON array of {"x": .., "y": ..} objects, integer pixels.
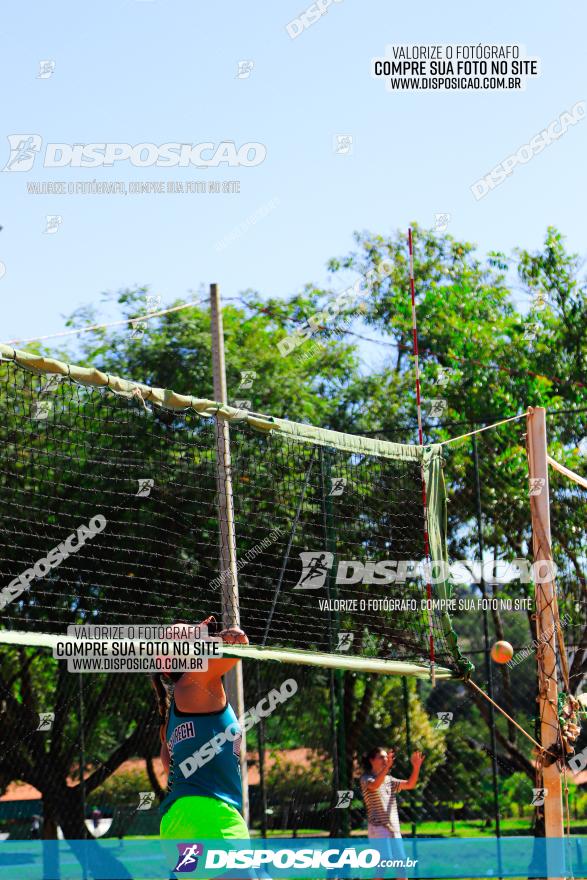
[
  {"x": 233, "y": 680},
  {"x": 546, "y": 615}
]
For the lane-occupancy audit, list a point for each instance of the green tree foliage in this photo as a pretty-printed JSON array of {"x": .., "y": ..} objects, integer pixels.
[{"x": 473, "y": 316}]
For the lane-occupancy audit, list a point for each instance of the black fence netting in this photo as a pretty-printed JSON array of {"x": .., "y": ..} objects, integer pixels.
[{"x": 479, "y": 775}]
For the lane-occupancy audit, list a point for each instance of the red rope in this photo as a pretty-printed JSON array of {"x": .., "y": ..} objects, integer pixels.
[{"x": 421, "y": 441}]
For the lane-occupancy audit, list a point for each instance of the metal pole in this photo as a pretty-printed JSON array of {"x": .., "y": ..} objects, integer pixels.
[
  {"x": 488, "y": 669},
  {"x": 82, "y": 752},
  {"x": 233, "y": 680},
  {"x": 341, "y": 823},
  {"x": 261, "y": 748},
  {"x": 546, "y": 616},
  {"x": 408, "y": 732},
  {"x": 421, "y": 442}
]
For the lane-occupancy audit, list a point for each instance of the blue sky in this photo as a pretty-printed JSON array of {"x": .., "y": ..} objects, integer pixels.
[{"x": 161, "y": 71}]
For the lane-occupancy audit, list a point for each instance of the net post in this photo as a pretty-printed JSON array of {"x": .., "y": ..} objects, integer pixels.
[
  {"x": 340, "y": 824},
  {"x": 230, "y": 596},
  {"x": 546, "y": 616}
]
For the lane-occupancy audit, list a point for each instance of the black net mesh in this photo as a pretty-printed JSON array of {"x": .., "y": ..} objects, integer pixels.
[{"x": 75, "y": 457}]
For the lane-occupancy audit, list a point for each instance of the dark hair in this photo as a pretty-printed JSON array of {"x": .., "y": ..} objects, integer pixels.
[
  {"x": 369, "y": 755},
  {"x": 162, "y": 697}
]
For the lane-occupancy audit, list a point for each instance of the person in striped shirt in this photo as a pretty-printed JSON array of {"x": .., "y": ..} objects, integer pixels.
[{"x": 379, "y": 790}]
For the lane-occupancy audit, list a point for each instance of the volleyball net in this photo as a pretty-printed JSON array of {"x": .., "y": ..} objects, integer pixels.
[{"x": 118, "y": 501}]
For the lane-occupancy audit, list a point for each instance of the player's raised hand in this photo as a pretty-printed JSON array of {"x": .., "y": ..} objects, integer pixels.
[
  {"x": 234, "y": 635},
  {"x": 417, "y": 759}
]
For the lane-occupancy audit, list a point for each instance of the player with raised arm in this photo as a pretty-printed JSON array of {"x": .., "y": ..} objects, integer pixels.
[
  {"x": 204, "y": 794},
  {"x": 379, "y": 791}
]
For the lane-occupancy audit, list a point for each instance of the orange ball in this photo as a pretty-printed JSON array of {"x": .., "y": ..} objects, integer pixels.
[{"x": 501, "y": 652}]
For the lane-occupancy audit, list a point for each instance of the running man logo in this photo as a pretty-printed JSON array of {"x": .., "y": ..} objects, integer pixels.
[
  {"x": 41, "y": 410},
  {"x": 343, "y": 144},
  {"x": 23, "y": 150},
  {"x": 444, "y": 719},
  {"x": 46, "y": 720},
  {"x": 46, "y": 69},
  {"x": 188, "y": 857},
  {"x": 530, "y": 332},
  {"x": 52, "y": 223},
  {"x": 137, "y": 328},
  {"x": 337, "y": 486},
  {"x": 443, "y": 377},
  {"x": 441, "y": 221},
  {"x": 152, "y": 302},
  {"x": 146, "y": 799},
  {"x": 435, "y": 407},
  {"x": 315, "y": 567},
  {"x": 247, "y": 379},
  {"x": 538, "y": 797},
  {"x": 52, "y": 383},
  {"x": 244, "y": 405},
  {"x": 345, "y": 640},
  {"x": 537, "y": 485},
  {"x": 343, "y": 800},
  {"x": 145, "y": 487},
  {"x": 244, "y": 70}
]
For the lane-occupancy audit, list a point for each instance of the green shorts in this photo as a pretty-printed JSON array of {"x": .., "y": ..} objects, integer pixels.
[{"x": 197, "y": 818}]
